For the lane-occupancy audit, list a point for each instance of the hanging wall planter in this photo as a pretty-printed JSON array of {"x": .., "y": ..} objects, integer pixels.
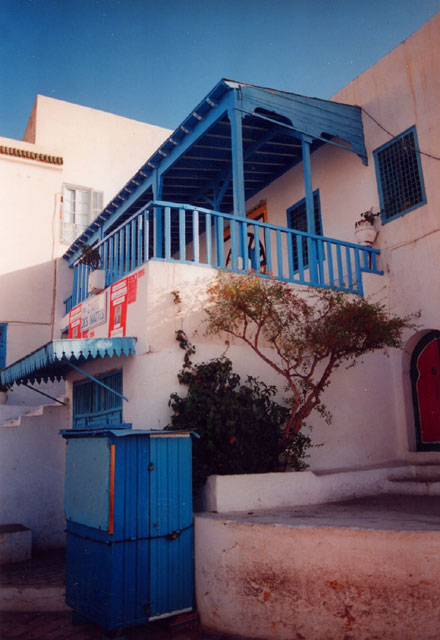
[{"x": 364, "y": 229}]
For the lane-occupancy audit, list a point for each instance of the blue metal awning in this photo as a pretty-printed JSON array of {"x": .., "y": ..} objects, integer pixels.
[{"x": 53, "y": 360}]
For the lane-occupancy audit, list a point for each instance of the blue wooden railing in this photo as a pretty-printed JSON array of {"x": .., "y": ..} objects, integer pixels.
[{"x": 189, "y": 235}]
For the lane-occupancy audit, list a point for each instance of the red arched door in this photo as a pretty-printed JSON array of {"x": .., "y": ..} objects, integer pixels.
[{"x": 425, "y": 379}]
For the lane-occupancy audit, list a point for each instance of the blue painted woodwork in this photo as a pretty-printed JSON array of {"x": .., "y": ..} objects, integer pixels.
[
  {"x": 98, "y": 401},
  {"x": 88, "y": 470},
  {"x": 51, "y": 361},
  {"x": 399, "y": 176},
  {"x": 68, "y": 303},
  {"x": 235, "y": 118},
  {"x": 114, "y": 390},
  {"x": 144, "y": 569},
  {"x": 197, "y": 236},
  {"x": 195, "y": 164},
  {"x": 311, "y": 226},
  {"x": 3, "y": 340},
  {"x": 297, "y": 218}
]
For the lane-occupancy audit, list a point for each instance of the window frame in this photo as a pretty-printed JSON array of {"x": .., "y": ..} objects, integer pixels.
[
  {"x": 99, "y": 413},
  {"x": 94, "y": 197},
  {"x": 380, "y": 180},
  {"x": 318, "y": 232}
]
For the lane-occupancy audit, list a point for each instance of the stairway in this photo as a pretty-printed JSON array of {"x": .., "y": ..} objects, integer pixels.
[{"x": 423, "y": 480}]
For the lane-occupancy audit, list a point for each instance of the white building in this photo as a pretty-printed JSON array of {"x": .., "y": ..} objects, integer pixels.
[
  {"x": 287, "y": 162},
  {"x": 72, "y": 160}
]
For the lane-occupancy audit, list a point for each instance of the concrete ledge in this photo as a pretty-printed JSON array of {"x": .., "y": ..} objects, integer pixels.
[
  {"x": 15, "y": 543},
  {"x": 317, "y": 580},
  {"x": 279, "y": 490}
]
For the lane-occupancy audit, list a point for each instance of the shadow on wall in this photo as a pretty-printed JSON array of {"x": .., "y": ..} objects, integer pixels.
[{"x": 27, "y": 308}]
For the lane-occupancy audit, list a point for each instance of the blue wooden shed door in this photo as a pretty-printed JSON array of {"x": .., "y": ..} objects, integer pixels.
[{"x": 93, "y": 405}]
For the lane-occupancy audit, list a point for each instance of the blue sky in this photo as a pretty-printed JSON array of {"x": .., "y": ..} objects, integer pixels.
[{"x": 154, "y": 60}]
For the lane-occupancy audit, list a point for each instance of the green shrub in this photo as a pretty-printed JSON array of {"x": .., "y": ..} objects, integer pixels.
[{"x": 239, "y": 424}]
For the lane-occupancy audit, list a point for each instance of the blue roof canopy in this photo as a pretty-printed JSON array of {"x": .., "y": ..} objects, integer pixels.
[
  {"x": 195, "y": 164},
  {"x": 50, "y": 362}
]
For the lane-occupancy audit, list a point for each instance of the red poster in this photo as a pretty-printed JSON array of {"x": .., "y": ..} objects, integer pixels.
[
  {"x": 75, "y": 322},
  {"x": 118, "y": 309},
  {"x": 132, "y": 288}
]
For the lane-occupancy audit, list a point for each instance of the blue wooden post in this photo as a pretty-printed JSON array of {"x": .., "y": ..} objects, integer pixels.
[
  {"x": 307, "y": 166},
  {"x": 235, "y": 118},
  {"x": 305, "y": 143},
  {"x": 158, "y": 224}
]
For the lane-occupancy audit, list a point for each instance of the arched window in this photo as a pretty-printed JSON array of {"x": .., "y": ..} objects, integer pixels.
[{"x": 425, "y": 383}]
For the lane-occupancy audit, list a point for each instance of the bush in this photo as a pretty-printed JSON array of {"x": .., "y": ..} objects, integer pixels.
[{"x": 239, "y": 424}]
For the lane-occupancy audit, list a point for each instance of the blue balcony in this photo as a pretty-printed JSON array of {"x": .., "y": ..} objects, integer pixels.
[
  {"x": 238, "y": 140},
  {"x": 186, "y": 234}
]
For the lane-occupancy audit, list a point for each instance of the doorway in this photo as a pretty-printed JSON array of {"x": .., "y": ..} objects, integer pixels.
[{"x": 425, "y": 383}]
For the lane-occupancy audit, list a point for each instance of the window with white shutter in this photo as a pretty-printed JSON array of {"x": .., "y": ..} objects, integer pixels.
[{"x": 80, "y": 206}]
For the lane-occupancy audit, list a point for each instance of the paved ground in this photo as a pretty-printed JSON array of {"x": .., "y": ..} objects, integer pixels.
[
  {"x": 43, "y": 570},
  {"x": 58, "y": 626},
  {"x": 45, "y": 574}
]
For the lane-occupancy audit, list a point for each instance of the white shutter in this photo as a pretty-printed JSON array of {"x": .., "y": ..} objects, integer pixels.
[{"x": 97, "y": 204}]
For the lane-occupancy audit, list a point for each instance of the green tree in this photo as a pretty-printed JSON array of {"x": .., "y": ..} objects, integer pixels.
[{"x": 310, "y": 334}]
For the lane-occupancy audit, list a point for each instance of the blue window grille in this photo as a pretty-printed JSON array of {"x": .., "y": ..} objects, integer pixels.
[
  {"x": 93, "y": 405},
  {"x": 399, "y": 176},
  {"x": 3, "y": 328},
  {"x": 297, "y": 219}
]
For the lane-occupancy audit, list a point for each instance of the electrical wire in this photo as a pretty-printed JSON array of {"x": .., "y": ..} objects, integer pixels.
[{"x": 423, "y": 153}]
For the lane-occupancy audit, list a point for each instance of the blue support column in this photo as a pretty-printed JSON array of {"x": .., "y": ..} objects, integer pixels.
[
  {"x": 305, "y": 142},
  {"x": 158, "y": 222},
  {"x": 235, "y": 118},
  {"x": 311, "y": 228}
]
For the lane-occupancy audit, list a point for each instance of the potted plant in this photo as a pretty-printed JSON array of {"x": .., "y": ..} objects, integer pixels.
[
  {"x": 364, "y": 228},
  {"x": 4, "y": 388},
  {"x": 91, "y": 257}
]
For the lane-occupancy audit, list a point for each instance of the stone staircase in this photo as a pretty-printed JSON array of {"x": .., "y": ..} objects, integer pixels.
[
  {"x": 420, "y": 479},
  {"x": 13, "y": 415}
]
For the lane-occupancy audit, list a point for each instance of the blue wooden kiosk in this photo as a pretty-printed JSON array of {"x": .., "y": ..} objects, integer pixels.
[{"x": 129, "y": 525}]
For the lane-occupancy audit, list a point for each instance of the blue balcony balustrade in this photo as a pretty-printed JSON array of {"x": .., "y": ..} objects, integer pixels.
[{"x": 183, "y": 233}]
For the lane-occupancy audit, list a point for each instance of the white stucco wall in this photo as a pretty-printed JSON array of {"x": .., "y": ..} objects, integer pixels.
[
  {"x": 364, "y": 432},
  {"x": 100, "y": 151},
  {"x": 400, "y": 91},
  {"x": 32, "y": 463},
  {"x": 29, "y": 207},
  {"x": 316, "y": 580}
]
